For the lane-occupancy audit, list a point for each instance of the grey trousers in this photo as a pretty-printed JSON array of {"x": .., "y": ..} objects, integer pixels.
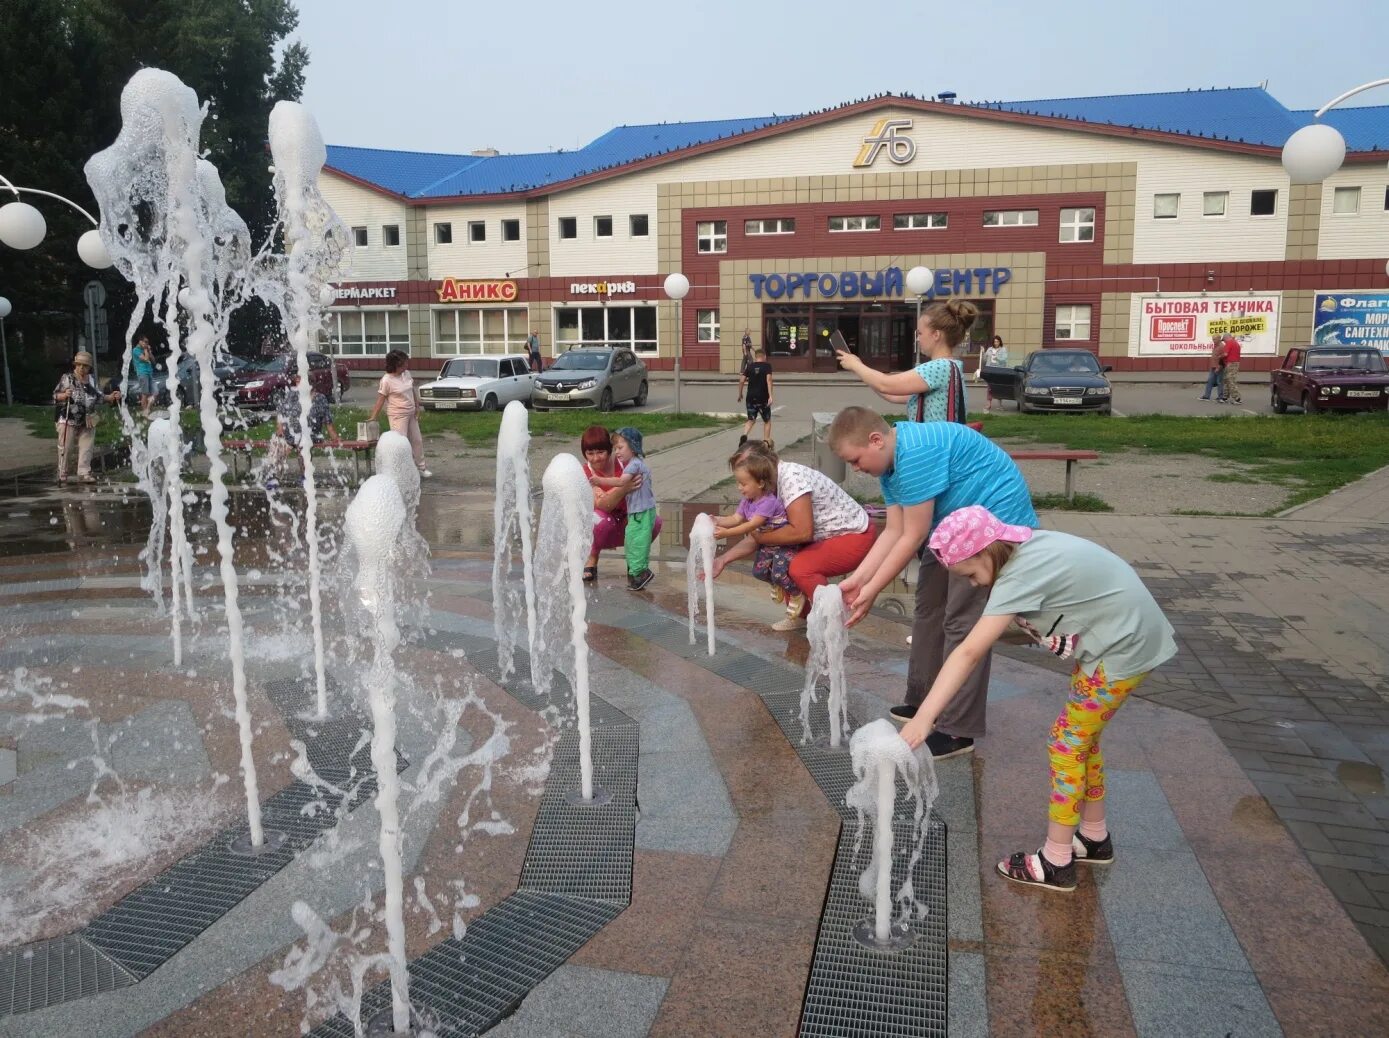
[{"x": 947, "y": 608}]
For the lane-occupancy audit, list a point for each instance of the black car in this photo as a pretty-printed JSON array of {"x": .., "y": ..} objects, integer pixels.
[{"x": 1054, "y": 380}]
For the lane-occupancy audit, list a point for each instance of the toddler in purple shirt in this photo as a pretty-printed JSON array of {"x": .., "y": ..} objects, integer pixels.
[{"x": 759, "y": 508}]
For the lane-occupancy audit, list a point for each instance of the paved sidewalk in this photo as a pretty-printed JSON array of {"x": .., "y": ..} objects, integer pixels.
[{"x": 1364, "y": 501}]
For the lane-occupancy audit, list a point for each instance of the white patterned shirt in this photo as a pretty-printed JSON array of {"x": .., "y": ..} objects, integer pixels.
[{"x": 833, "y": 511}]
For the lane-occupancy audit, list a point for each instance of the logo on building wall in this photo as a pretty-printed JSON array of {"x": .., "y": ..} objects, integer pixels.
[
  {"x": 889, "y": 134},
  {"x": 601, "y": 288},
  {"x": 358, "y": 292},
  {"x": 868, "y": 284},
  {"x": 452, "y": 290}
]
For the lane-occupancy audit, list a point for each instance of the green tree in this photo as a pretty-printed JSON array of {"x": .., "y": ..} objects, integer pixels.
[{"x": 63, "y": 64}]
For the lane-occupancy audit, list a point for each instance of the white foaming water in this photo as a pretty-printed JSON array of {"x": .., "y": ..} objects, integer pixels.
[
  {"x": 167, "y": 226},
  {"x": 701, "y": 560},
  {"x": 165, "y": 454},
  {"x": 395, "y": 458},
  {"x": 374, "y": 523},
  {"x": 561, "y": 636},
  {"x": 828, "y": 639},
  {"x": 879, "y": 754},
  {"x": 511, "y": 521}
]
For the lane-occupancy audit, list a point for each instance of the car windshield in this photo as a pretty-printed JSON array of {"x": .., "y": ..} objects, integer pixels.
[
  {"x": 581, "y": 360},
  {"x": 275, "y": 365},
  {"x": 1335, "y": 360},
  {"x": 471, "y": 367},
  {"x": 1068, "y": 363}
]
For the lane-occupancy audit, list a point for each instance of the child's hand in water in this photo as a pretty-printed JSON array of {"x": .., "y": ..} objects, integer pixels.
[{"x": 915, "y": 731}]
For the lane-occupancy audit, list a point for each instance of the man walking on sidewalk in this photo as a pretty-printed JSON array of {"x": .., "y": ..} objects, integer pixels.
[
  {"x": 1217, "y": 374},
  {"x": 1230, "y": 386}
]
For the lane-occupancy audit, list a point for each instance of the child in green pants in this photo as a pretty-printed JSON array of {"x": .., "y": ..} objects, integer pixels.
[{"x": 641, "y": 504}]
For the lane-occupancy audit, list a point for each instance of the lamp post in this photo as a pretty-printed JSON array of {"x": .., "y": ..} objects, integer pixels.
[
  {"x": 919, "y": 282},
  {"x": 1316, "y": 151},
  {"x": 4, "y": 350},
  {"x": 677, "y": 287}
]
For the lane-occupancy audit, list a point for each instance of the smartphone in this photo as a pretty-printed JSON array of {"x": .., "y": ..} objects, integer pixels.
[{"x": 837, "y": 342}]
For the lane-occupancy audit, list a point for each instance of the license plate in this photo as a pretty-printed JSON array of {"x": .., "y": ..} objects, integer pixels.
[
  {"x": 1362, "y": 392},
  {"x": 557, "y": 396},
  {"x": 1067, "y": 399},
  {"x": 446, "y": 405}
]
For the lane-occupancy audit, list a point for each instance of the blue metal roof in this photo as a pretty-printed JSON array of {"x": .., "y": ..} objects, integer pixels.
[{"x": 1247, "y": 114}]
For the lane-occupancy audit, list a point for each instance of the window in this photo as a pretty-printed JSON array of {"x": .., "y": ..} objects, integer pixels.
[
  {"x": 712, "y": 236},
  {"x": 1073, "y": 321},
  {"x": 477, "y": 231},
  {"x": 366, "y": 333},
  {"x": 568, "y": 227},
  {"x": 465, "y": 330},
  {"x": 443, "y": 234},
  {"x": 638, "y": 224},
  {"x": 1213, "y": 203},
  {"x": 919, "y": 221},
  {"x": 782, "y": 225},
  {"x": 390, "y": 235},
  {"x": 630, "y": 326},
  {"x": 1386, "y": 199},
  {"x": 708, "y": 323},
  {"x": 855, "y": 223},
  {"x": 1345, "y": 201},
  {"x": 1263, "y": 203},
  {"x": 511, "y": 230},
  {"x": 359, "y": 237},
  {"x": 602, "y": 226},
  {"x": 1012, "y": 218},
  {"x": 1077, "y": 225},
  {"x": 1165, "y": 206}
]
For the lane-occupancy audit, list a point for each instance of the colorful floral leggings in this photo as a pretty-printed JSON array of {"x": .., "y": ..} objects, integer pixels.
[
  {"x": 1077, "y": 765},
  {"x": 773, "y": 564}
]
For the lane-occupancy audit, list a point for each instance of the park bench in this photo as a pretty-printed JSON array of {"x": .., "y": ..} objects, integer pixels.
[
  {"x": 1069, "y": 457},
  {"x": 245, "y": 448}
]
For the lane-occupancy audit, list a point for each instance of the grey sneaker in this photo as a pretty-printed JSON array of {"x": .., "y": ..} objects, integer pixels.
[{"x": 943, "y": 746}]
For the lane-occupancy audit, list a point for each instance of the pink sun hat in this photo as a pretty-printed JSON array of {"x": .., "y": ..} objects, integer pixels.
[{"x": 968, "y": 531}]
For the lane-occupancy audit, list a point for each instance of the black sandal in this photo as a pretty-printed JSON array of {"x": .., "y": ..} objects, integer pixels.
[
  {"x": 590, "y": 574},
  {"x": 1054, "y": 877}
]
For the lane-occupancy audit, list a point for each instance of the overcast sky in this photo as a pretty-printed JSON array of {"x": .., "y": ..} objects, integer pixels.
[{"x": 454, "y": 75}]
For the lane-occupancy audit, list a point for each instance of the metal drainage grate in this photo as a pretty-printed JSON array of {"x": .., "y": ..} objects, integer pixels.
[{"x": 49, "y": 972}]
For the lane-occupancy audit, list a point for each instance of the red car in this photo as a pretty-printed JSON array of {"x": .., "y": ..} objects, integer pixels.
[
  {"x": 1331, "y": 378},
  {"x": 262, "y": 384}
]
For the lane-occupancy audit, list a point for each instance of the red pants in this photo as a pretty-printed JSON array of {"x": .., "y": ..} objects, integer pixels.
[{"x": 817, "y": 561}]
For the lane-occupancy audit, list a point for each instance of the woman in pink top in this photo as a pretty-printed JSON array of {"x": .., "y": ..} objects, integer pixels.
[{"x": 398, "y": 395}]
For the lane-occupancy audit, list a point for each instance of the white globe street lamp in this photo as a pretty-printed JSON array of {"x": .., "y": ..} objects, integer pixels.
[
  {"x": 23, "y": 227},
  {"x": 920, "y": 281},
  {"x": 4, "y": 350},
  {"x": 677, "y": 287},
  {"x": 1316, "y": 151}
]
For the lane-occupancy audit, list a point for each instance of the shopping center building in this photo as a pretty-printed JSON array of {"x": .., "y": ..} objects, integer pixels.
[{"x": 1137, "y": 226}]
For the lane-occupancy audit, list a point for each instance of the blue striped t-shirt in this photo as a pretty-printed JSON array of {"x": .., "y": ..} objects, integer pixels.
[{"x": 955, "y": 466}]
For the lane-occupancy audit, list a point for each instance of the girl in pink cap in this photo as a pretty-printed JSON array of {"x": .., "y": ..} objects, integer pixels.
[{"x": 1081, "y": 602}]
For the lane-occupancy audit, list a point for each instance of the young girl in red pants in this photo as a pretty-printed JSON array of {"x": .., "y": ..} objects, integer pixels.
[{"x": 1079, "y": 601}]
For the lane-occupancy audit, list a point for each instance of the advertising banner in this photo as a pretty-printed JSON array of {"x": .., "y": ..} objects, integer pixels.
[
  {"x": 1185, "y": 325},
  {"x": 1351, "y": 319}
]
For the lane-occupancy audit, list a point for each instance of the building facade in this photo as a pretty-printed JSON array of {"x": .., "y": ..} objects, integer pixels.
[{"x": 1066, "y": 222}]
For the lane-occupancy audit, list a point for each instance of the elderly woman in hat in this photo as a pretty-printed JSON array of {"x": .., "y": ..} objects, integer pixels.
[{"x": 75, "y": 401}]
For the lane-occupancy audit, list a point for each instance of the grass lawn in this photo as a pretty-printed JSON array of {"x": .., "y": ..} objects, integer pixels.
[
  {"x": 1311, "y": 454},
  {"x": 39, "y": 418}
]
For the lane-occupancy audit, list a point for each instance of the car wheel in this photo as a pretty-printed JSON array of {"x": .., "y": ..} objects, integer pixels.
[
  {"x": 1107, "y": 411},
  {"x": 1280, "y": 406},
  {"x": 489, "y": 403},
  {"x": 640, "y": 398},
  {"x": 1308, "y": 404},
  {"x": 605, "y": 402},
  {"x": 1023, "y": 408}
]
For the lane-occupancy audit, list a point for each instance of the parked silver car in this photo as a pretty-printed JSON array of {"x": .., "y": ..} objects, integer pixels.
[
  {"x": 592, "y": 376},
  {"x": 479, "y": 383}
]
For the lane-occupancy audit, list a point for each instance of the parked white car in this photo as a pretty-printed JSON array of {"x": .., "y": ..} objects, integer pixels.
[{"x": 479, "y": 383}]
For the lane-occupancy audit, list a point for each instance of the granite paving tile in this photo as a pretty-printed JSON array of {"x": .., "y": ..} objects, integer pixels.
[
  {"x": 1193, "y": 1000},
  {"x": 1059, "y": 993}
]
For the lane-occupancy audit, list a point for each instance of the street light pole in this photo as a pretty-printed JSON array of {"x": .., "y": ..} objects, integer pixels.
[
  {"x": 919, "y": 281},
  {"x": 677, "y": 287},
  {"x": 4, "y": 350},
  {"x": 1317, "y": 150}
]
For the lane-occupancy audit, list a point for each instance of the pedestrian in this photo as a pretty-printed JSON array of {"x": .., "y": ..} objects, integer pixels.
[
  {"x": 1092, "y": 607},
  {"x": 143, "y": 359},
  {"x": 747, "y": 351},
  {"x": 934, "y": 390},
  {"x": 635, "y": 482},
  {"x": 285, "y": 439},
  {"x": 830, "y": 530},
  {"x": 759, "y": 508},
  {"x": 757, "y": 377},
  {"x": 75, "y": 402},
  {"x": 533, "y": 349},
  {"x": 1215, "y": 379},
  {"x": 995, "y": 355},
  {"x": 1229, "y": 384},
  {"x": 397, "y": 394},
  {"x": 926, "y": 471}
]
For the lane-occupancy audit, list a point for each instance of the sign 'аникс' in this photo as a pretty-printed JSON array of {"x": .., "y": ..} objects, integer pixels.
[{"x": 1187, "y": 325}]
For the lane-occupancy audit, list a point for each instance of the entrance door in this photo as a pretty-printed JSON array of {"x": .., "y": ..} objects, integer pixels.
[
  {"x": 903, "y": 340},
  {"x": 876, "y": 342}
]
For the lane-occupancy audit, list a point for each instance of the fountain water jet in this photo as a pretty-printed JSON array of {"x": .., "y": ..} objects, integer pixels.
[
  {"x": 395, "y": 459},
  {"x": 828, "y": 639},
  {"x": 511, "y": 521},
  {"x": 879, "y": 754},
  {"x": 566, "y": 534},
  {"x": 701, "y": 560}
]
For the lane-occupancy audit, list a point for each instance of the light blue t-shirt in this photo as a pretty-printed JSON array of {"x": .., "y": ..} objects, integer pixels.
[
  {"x": 644, "y": 497},
  {"x": 936, "y": 375},
  {"x": 954, "y": 466},
  {"x": 144, "y": 365}
]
